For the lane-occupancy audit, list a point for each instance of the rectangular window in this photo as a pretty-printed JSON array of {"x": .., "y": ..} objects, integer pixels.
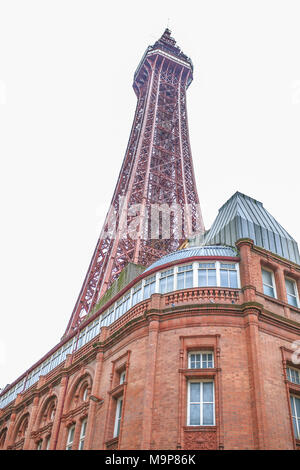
[
  {"x": 201, "y": 360},
  {"x": 122, "y": 377},
  {"x": 185, "y": 277},
  {"x": 118, "y": 417},
  {"x": 82, "y": 435},
  {"x": 39, "y": 445},
  {"x": 166, "y": 282},
  {"x": 81, "y": 339},
  {"x": 201, "y": 404},
  {"x": 295, "y": 406},
  {"x": 228, "y": 275},
  {"x": 293, "y": 375},
  {"x": 207, "y": 275},
  {"x": 70, "y": 438},
  {"x": 48, "y": 443},
  {"x": 149, "y": 287},
  {"x": 268, "y": 283},
  {"x": 108, "y": 317},
  {"x": 291, "y": 291},
  {"x": 137, "y": 294}
]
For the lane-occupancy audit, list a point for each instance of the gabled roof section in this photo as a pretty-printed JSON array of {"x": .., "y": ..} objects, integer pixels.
[{"x": 244, "y": 217}]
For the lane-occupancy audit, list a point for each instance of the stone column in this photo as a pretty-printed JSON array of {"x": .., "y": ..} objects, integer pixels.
[
  {"x": 256, "y": 379},
  {"x": 149, "y": 382},
  {"x": 93, "y": 405},
  {"x": 28, "y": 445},
  {"x": 54, "y": 441},
  {"x": 247, "y": 281}
]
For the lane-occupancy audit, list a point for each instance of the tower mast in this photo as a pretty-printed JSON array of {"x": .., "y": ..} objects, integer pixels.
[{"x": 156, "y": 175}]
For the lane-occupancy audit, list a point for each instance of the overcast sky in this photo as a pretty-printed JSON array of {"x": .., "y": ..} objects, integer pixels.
[{"x": 66, "y": 110}]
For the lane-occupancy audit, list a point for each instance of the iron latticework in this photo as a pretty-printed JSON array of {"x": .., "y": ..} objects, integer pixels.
[{"x": 157, "y": 170}]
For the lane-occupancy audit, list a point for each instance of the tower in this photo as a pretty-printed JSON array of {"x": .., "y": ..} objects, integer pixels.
[
  {"x": 156, "y": 180},
  {"x": 191, "y": 352}
]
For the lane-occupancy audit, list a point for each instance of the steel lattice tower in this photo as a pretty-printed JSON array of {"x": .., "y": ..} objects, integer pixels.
[{"x": 157, "y": 169}]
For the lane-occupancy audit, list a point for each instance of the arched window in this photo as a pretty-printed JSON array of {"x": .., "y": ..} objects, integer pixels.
[{"x": 21, "y": 429}]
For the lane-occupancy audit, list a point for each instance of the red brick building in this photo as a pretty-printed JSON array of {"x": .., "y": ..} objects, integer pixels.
[{"x": 198, "y": 350}]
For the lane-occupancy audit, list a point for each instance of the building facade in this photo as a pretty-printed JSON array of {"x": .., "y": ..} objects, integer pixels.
[{"x": 196, "y": 349}]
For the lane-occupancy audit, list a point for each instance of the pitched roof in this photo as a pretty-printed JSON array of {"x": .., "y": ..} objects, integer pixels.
[{"x": 244, "y": 217}]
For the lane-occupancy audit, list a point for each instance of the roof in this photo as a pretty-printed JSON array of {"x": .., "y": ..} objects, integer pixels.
[
  {"x": 244, "y": 217},
  {"x": 213, "y": 251}
]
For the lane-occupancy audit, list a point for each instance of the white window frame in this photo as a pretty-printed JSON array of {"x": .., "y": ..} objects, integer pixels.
[
  {"x": 162, "y": 276},
  {"x": 82, "y": 434},
  {"x": 293, "y": 398},
  {"x": 146, "y": 283},
  {"x": 201, "y": 402},
  {"x": 236, "y": 269},
  {"x": 85, "y": 394},
  {"x": 118, "y": 416},
  {"x": 273, "y": 281},
  {"x": 201, "y": 353},
  {"x": 216, "y": 268},
  {"x": 48, "y": 442},
  {"x": 289, "y": 375},
  {"x": 177, "y": 273},
  {"x": 69, "y": 444},
  {"x": 122, "y": 377},
  {"x": 296, "y": 291}
]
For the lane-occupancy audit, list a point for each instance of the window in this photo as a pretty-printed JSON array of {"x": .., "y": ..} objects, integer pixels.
[
  {"x": 122, "y": 377},
  {"x": 166, "y": 282},
  {"x": 228, "y": 275},
  {"x": 48, "y": 443},
  {"x": 291, "y": 291},
  {"x": 295, "y": 406},
  {"x": 70, "y": 438},
  {"x": 149, "y": 287},
  {"x": 39, "y": 445},
  {"x": 268, "y": 283},
  {"x": 52, "y": 413},
  {"x": 118, "y": 417},
  {"x": 185, "y": 277},
  {"x": 85, "y": 394},
  {"x": 201, "y": 360},
  {"x": 207, "y": 275},
  {"x": 137, "y": 294},
  {"x": 293, "y": 375},
  {"x": 200, "y": 403},
  {"x": 124, "y": 304},
  {"x": 82, "y": 434}
]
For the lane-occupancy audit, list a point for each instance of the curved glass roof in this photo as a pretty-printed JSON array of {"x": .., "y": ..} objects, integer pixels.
[{"x": 214, "y": 250}]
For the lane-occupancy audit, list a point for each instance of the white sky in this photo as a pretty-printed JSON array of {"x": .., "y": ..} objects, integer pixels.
[{"x": 66, "y": 110}]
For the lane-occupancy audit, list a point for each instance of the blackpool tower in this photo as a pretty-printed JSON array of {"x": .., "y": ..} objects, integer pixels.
[{"x": 156, "y": 178}]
